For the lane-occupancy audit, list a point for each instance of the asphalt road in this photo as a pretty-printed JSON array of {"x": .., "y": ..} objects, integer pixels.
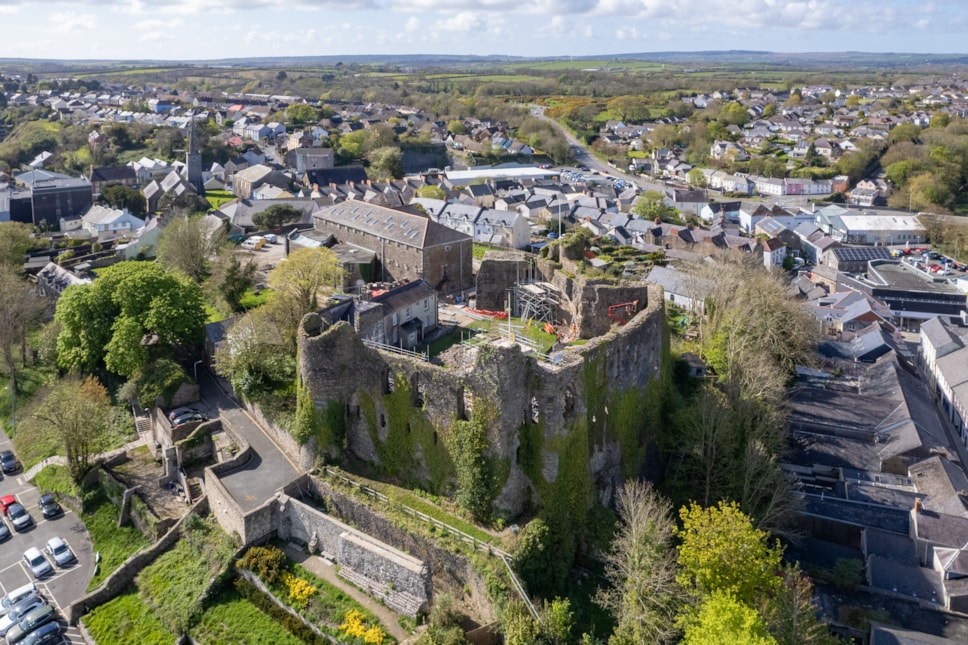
[
  {"x": 63, "y": 585},
  {"x": 268, "y": 470}
]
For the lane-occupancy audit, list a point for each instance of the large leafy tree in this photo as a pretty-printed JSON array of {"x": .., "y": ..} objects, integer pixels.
[
  {"x": 721, "y": 551},
  {"x": 306, "y": 274},
  {"x": 121, "y": 196},
  {"x": 132, "y": 313},
  {"x": 724, "y": 620},
  {"x": 253, "y": 358},
  {"x": 276, "y": 215},
  {"x": 16, "y": 238},
  {"x": 643, "y": 594}
]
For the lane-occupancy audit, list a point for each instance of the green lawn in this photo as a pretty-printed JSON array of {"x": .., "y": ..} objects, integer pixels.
[
  {"x": 251, "y": 299},
  {"x": 218, "y": 197},
  {"x": 126, "y": 620},
  {"x": 233, "y": 620},
  {"x": 57, "y": 479},
  {"x": 115, "y": 543}
]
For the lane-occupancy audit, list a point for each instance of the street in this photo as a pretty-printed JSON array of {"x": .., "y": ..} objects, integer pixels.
[{"x": 268, "y": 470}]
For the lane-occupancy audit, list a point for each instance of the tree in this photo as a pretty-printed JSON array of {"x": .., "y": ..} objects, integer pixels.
[
  {"x": 517, "y": 624},
  {"x": 386, "y": 162},
  {"x": 456, "y": 127},
  {"x": 642, "y": 595},
  {"x": 301, "y": 113},
  {"x": 188, "y": 244},
  {"x": 939, "y": 120},
  {"x": 276, "y": 216},
  {"x": 253, "y": 357},
  {"x": 305, "y": 274},
  {"x": 133, "y": 312},
  {"x": 791, "y": 614},
  {"x": 444, "y": 624},
  {"x": 16, "y": 238},
  {"x": 556, "y": 620},
  {"x": 724, "y": 620},
  {"x": 720, "y": 551},
  {"x": 696, "y": 178},
  {"x": 431, "y": 192},
  {"x": 651, "y": 204},
  {"x": 121, "y": 196},
  {"x": 540, "y": 566},
  {"x": 230, "y": 279},
  {"x": 76, "y": 413},
  {"x": 20, "y": 311}
]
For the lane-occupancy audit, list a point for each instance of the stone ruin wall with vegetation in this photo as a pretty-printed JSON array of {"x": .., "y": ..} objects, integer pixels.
[
  {"x": 584, "y": 302},
  {"x": 545, "y": 430}
]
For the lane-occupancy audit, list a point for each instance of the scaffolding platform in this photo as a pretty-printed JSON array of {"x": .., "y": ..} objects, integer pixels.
[{"x": 538, "y": 301}]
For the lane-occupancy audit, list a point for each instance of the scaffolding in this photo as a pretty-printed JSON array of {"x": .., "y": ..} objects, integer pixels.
[{"x": 538, "y": 301}]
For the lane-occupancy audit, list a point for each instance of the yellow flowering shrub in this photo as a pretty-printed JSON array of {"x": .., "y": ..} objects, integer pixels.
[
  {"x": 354, "y": 625},
  {"x": 300, "y": 591}
]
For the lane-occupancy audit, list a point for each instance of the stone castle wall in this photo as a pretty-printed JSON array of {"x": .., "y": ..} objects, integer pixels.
[{"x": 517, "y": 389}]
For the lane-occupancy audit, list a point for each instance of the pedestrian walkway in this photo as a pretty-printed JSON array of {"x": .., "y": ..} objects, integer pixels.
[
  {"x": 60, "y": 460},
  {"x": 321, "y": 568}
]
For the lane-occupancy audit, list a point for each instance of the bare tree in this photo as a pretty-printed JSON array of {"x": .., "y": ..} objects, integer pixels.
[
  {"x": 21, "y": 309},
  {"x": 643, "y": 594},
  {"x": 188, "y": 245}
]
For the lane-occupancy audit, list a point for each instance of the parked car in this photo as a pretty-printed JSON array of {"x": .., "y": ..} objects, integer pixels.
[
  {"x": 8, "y": 461},
  {"x": 30, "y": 622},
  {"x": 16, "y": 596},
  {"x": 46, "y": 634},
  {"x": 271, "y": 238},
  {"x": 36, "y": 562},
  {"x": 19, "y": 610},
  {"x": 177, "y": 412},
  {"x": 58, "y": 550},
  {"x": 49, "y": 506},
  {"x": 187, "y": 418},
  {"x": 19, "y": 516},
  {"x": 4, "y": 531}
]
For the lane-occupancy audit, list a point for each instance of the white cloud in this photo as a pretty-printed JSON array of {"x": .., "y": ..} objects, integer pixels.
[
  {"x": 69, "y": 22},
  {"x": 413, "y": 25},
  {"x": 158, "y": 25},
  {"x": 463, "y": 22}
]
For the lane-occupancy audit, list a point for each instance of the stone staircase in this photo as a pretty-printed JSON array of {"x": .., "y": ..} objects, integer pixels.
[{"x": 399, "y": 601}]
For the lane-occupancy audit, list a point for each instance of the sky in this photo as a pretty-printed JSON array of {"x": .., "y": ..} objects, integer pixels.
[{"x": 211, "y": 29}]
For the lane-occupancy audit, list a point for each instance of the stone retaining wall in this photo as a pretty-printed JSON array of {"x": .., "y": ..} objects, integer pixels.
[
  {"x": 118, "y": 581},
  {"x": 374, "y": 560}
]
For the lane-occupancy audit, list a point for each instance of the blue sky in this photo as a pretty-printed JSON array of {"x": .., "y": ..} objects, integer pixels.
[{"x": 189, "y": 29}]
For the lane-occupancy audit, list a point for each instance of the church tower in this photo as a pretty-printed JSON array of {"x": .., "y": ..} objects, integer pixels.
[{"x": 193, "y": 161}]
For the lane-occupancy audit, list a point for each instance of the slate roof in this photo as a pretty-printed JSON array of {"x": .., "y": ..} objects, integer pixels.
[{"x": 395, "y": 225}]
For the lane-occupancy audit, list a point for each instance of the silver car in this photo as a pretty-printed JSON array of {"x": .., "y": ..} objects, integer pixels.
[
  {"x": 19, "y": 516},
  {"x": 59, "y": 552},
  {"x": 17, "y": 612},
  {"x": 36, "y": 562}
]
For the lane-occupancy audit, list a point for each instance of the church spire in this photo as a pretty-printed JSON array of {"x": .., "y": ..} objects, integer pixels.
[{"x": 193, "y": 161}]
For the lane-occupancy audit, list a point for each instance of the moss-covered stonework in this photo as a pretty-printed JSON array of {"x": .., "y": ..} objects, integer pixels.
[{"x": 555, "y": 436}]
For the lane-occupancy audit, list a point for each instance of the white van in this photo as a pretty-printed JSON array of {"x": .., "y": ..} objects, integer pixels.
[
  {"x": 254, "y": 243},
  {"x": 16, "y": 596}
]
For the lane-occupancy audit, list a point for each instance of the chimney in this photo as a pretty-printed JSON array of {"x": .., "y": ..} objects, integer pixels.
[{"x": 917, "y": 505}]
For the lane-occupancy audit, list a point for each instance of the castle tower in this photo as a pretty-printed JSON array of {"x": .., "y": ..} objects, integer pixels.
[{"x": 193, "y": 161}]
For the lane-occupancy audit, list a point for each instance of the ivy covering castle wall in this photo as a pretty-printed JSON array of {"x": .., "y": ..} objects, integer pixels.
[{"x": 509, "y": 435}]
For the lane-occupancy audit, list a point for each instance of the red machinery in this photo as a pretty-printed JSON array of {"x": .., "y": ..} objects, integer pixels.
[{"x": 623, "y": 312}]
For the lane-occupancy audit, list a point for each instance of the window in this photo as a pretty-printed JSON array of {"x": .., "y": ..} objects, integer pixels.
[{"x": 426, "y": 304}]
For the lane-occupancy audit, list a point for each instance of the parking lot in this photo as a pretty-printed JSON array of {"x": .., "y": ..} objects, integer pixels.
[{"x": 63, "y": 585}]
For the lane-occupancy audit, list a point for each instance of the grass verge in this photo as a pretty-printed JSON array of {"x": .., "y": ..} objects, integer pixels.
[
  {"x": 127, "y": 620},
  {"x": 115, "y": 543},
  {"x": 232, "y": 619}
]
